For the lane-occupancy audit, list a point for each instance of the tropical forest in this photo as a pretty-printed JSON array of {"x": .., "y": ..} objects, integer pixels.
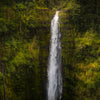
[{"x": 49, "y": 49}]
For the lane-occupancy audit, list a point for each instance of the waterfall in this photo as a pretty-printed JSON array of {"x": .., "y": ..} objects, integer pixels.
[{"x": 54, "y": 66}]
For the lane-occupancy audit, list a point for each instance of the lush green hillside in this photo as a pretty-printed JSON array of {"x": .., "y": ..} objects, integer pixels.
[{"x": 24, "y": 48}]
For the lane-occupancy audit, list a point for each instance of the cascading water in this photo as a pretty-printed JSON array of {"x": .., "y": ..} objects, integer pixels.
[{"x": 54, "y": 66}]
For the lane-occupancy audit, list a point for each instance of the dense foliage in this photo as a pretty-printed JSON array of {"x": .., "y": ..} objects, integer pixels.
[{"x": 24, "y": 48}]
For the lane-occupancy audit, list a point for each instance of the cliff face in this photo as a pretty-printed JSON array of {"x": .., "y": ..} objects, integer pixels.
[
  {"x": 24, "y": 48},
  {"x": 80, "y": 56}
]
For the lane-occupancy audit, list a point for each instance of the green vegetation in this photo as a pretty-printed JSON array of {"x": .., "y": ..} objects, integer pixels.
[{"x": 24, "y": 48}]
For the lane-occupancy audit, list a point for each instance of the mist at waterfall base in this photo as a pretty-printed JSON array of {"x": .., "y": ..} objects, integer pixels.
[{"x": 54, "y": 66}]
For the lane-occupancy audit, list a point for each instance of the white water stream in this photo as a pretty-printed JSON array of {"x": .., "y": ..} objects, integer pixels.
[{"x": 54, "y": 66}]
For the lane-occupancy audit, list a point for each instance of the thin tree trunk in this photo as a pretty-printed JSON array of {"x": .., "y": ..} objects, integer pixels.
[
  {"x": 4, "y": 82},
  {"x": 20, "y": 26},
  {"x": 8, "y": 12}
]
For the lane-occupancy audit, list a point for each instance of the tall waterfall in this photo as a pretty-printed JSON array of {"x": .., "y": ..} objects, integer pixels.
[{"x": 54, "y": 66}]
